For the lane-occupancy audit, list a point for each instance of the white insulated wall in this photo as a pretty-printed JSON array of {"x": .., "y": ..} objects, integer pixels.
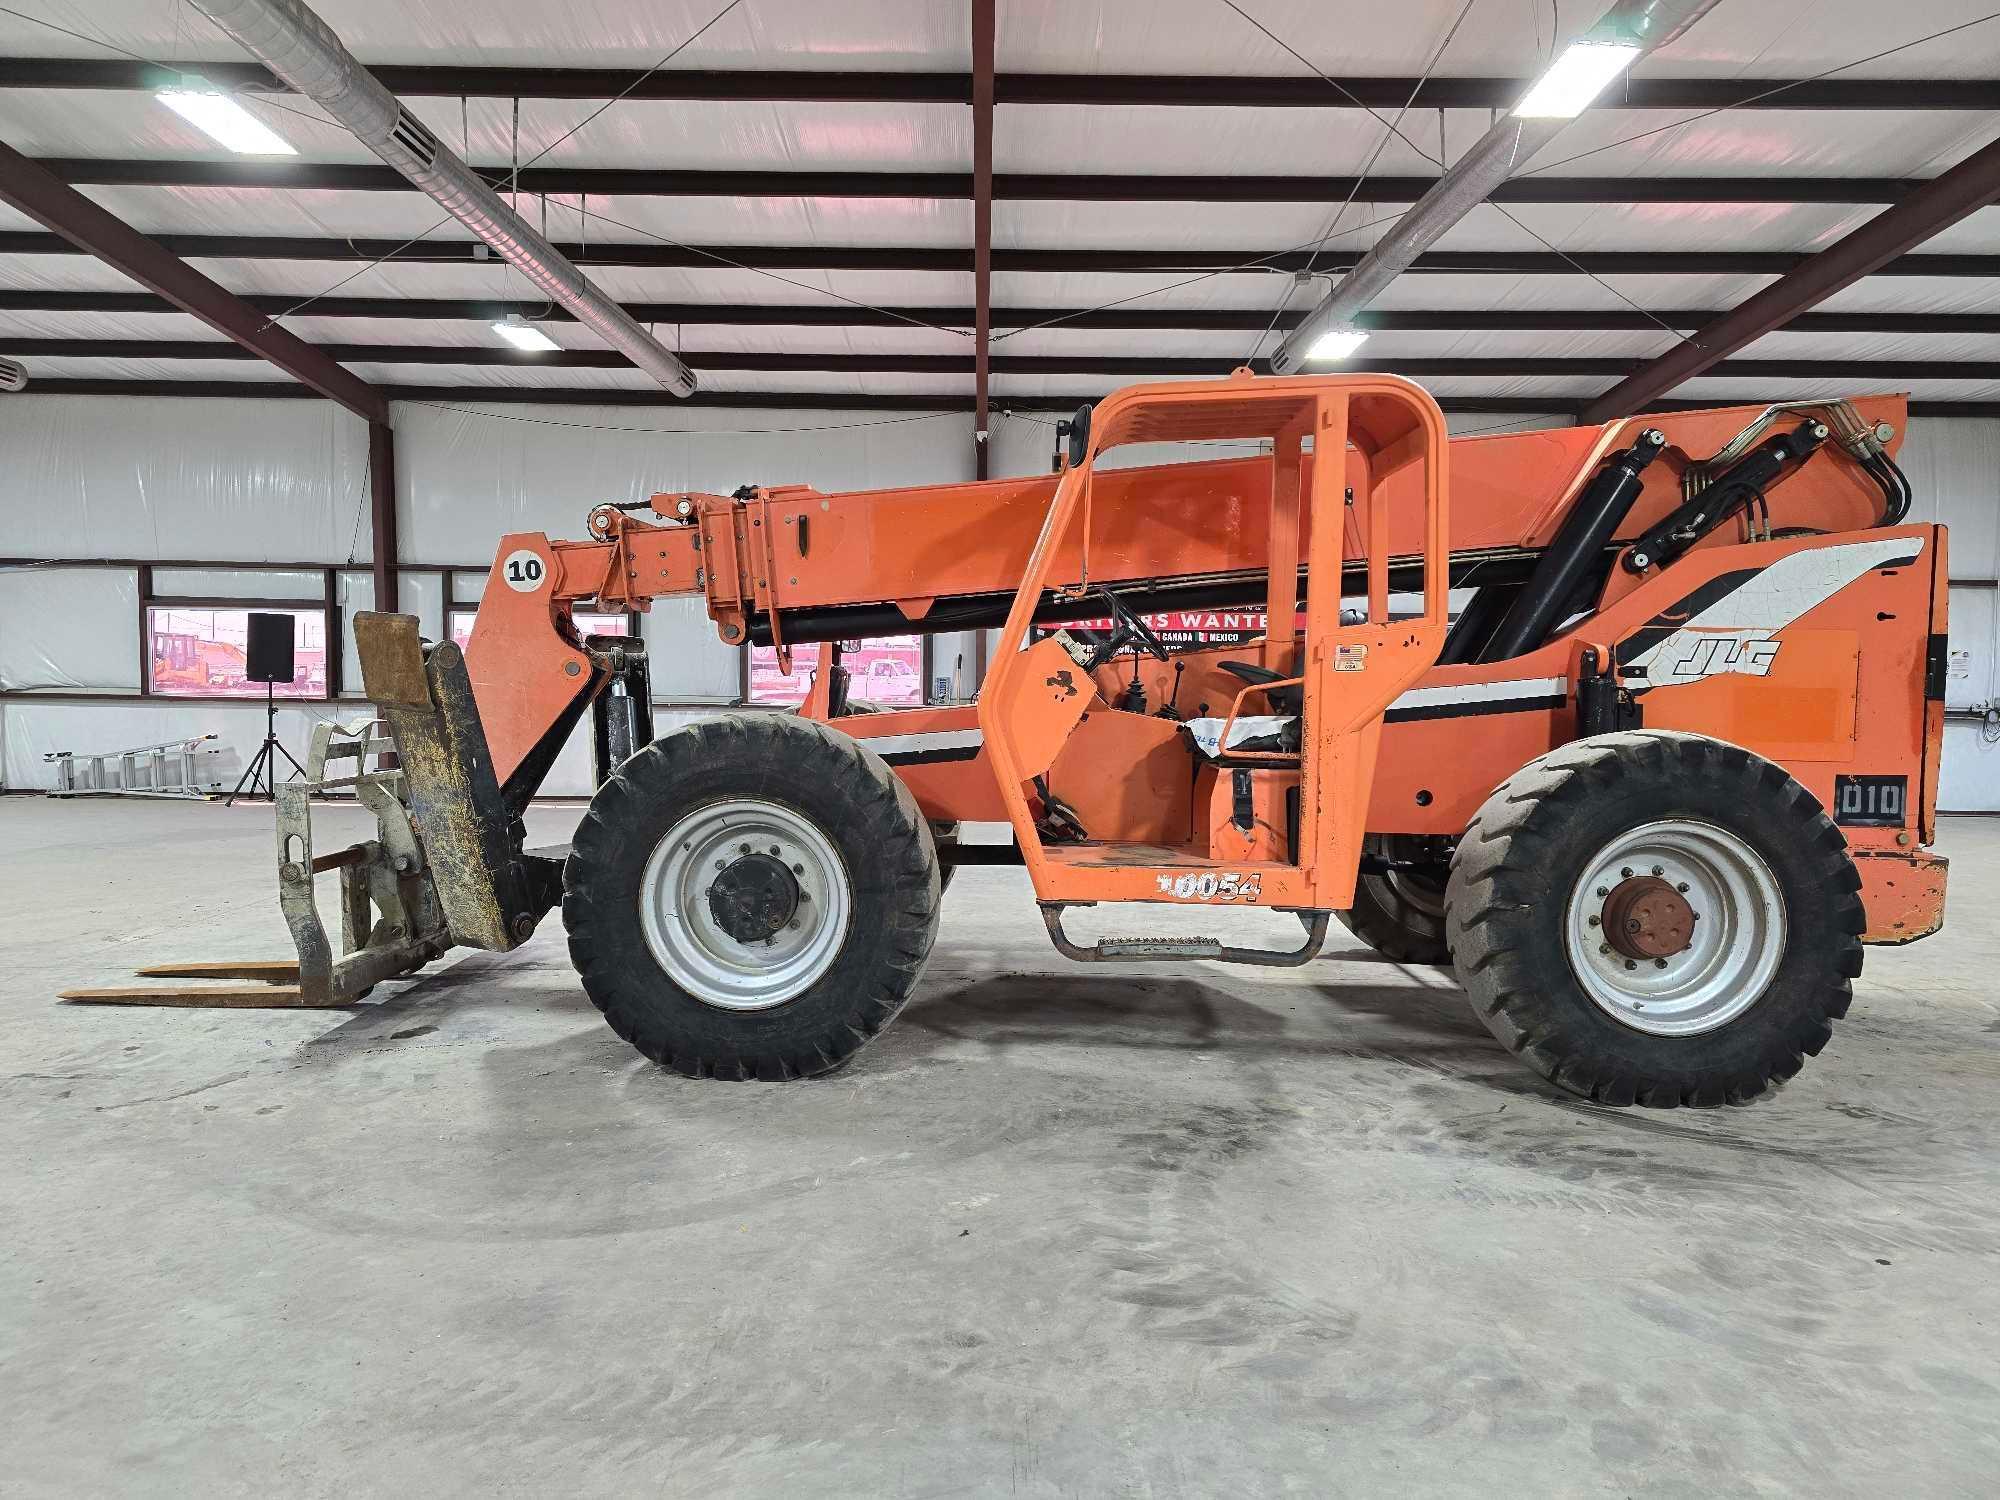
[
  {"x": 285, "y": 481},
  {"x": 1954, "y": 469}
]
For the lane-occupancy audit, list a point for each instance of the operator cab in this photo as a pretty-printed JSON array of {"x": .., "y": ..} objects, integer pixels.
[{"x": 1137, "y": 771}]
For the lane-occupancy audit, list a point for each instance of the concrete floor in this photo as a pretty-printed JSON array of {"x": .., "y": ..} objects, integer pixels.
[{"x": 1061, "y": 1231}]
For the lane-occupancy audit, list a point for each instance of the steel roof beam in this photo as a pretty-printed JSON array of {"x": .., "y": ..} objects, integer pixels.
[
  {"x": 865, "y": 86},
  {"x": 982, "y": 225},
  {"x": 1851, "y": 371},
  {"x": 34, "y": 192},
  {"x": 1938, "y": 204},
  {"x": 959, "y": 261},
  {"x": 946, "y": 402},
  {"x": 1053, "y": 187},
  {"x": 1131, "y": 318}
]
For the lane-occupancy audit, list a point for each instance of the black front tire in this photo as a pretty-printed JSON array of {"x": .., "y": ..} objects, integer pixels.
[
  {"x": 1517, "y": 867},
  {"x": 860, "y": 806}
]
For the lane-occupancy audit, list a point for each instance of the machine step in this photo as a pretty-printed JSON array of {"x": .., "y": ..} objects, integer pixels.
[
  {"x": 1159, "y": 947},
  {"x": 1156, "y": 950}
]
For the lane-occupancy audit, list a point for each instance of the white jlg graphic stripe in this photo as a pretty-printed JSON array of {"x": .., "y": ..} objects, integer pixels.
[
  {"x": 1482, "y": 692},
  {"x": 1791, "y": 587},
  {"x": 918, "y": 744}
]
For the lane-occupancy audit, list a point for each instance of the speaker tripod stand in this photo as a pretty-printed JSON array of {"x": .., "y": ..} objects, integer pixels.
[{"x": 260, "y": 777}]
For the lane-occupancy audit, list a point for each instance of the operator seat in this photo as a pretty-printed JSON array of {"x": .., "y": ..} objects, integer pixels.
[{"x": 1284, "y": 700}]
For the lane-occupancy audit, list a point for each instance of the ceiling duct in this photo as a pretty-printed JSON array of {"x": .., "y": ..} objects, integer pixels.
[
  {"x": 13, "y": 375},
  {"x": 1630, "y": 29},
  {"x": 294, "y": 43}
]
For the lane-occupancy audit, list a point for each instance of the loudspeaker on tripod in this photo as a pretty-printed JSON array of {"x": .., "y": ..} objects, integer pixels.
[
  {"x": 267, "y": 658},
  {"x": 268, "y": 654}
]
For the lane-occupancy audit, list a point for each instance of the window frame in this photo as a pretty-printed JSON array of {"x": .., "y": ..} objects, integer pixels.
[{"x": 330, "y": 635}]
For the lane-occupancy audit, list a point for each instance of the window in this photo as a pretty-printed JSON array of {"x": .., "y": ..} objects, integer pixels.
[
  {"x": 199, "y": 653},
  {"x": 769, "y": 685},
  {"x": 887, "y": 671},
  {"x": 587, "y": 623}
]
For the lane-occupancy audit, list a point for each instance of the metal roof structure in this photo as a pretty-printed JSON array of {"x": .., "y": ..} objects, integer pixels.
[{"x": 792, "y": 200}]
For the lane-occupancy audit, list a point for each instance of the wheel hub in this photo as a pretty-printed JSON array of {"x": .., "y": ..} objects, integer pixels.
[
  {"x": 754, "y": 898},
  {"x": 1675, "y": 927},
  {"x": 745, "y": 903},
  {"x": 1645, "y": 917}
]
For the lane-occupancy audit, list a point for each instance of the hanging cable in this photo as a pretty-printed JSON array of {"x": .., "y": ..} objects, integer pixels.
[
  {"x": 1758, "y": 98},
  {"x": 1393, "y": 131}
]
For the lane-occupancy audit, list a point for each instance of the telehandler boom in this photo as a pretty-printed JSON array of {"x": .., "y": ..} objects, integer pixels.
[{"x": 1637, "y": 726}]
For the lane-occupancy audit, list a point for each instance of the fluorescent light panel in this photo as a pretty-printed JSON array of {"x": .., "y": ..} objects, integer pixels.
[
  {"x": 1337, "y": 343},
  {"x": 524, "y": 335},
  {"x": 224, "y": 121},
  {"x": 1575, "y": 79}
]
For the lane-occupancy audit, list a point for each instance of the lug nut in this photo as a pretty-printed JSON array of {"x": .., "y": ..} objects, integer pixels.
[
  {"x": 1602, "y": 891},
  {"x": 1630, "y": 964},
  {"x": 1682, "y": 887},
  {"x": 1659, "y": 870},
  {"x": 798, "y": 869},
  {"x": 1593, "y": 921},
  {"x": 1626, "y": 873},
  {"x": 1659, "y": 963},
  {"x": 1603, "y": 947}
]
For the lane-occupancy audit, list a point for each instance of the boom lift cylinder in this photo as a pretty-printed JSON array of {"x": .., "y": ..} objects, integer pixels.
[{"x": 1577, "y": 549}]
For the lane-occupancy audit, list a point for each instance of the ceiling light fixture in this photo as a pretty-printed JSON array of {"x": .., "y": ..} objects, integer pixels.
[
  {"x": 1574, "y": 79},
  {"x": 218, "y": 116},
  {"x": 1336, "y": 343},
  {"x": 522, "y": 334}
]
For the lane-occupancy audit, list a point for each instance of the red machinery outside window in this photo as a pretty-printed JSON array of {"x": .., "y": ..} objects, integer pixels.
[
  {"x": 886, "y": 670},
  {"x": 199, "y": 653}
]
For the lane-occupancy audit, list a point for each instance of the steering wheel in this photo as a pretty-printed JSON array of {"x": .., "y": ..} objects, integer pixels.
[{"x": 1127, "y": 631}]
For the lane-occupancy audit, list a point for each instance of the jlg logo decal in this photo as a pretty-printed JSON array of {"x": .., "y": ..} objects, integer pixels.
[
  {"x": 1209, "y": 886},
  {"x": 1711, "y": 656}
]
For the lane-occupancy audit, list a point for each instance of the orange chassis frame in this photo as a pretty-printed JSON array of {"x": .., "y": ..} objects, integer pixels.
[{"x": 1393, "y": 743}]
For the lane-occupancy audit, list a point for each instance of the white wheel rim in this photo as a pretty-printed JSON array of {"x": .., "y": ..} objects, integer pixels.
[
  {"x": 1738, "y": 936},
  {"x": 692, "y": 946}
]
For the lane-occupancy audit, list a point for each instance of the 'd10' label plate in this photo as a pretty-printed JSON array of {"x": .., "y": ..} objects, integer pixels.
[{"x": 1870, "y": 801}]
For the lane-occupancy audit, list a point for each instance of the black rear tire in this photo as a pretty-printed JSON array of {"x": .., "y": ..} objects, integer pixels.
[
  {"x": 1400, "y": 916},
  {"x": 944, "y": 835},
  {"x": 856, "y": 803},
  {"x": 1509, "y": 900}
]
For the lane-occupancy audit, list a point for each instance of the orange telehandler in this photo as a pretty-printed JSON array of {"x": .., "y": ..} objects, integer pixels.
[{"x": 1636, "y": 725}]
